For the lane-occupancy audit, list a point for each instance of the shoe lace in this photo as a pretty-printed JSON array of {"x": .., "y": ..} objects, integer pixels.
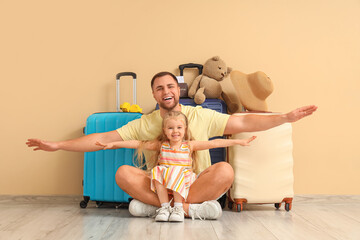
[
  {"x": 197, "y": 212},
  {"x": 163, "y": 210},
  {"x": 160, "y": 210},
  {"x": 177, "y": 210}
]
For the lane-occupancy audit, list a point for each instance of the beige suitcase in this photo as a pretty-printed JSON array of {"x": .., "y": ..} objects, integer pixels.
[{"x": 264, "y": 170}]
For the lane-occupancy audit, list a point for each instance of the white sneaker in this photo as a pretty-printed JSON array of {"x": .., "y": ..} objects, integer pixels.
[
  {"x": 177, "y": 214},
  {"x": 206, "y": 210},
  {"x": 163, "y": 214},
  {"x": 140, "y": 209}
]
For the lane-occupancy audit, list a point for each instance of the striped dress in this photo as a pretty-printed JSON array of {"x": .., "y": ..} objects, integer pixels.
[{"x": 174, "y": 169}]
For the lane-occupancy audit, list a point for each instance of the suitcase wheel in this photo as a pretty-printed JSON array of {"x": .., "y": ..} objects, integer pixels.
[
  {"x": 287, "y": 206},
  {"x": 288, "y": 203},
  {"x": 239, "y": 207},
  {"x": 83, "y": 203},
  {"x": 277, "y": 205},
  {"x": 240, "y": 204}
]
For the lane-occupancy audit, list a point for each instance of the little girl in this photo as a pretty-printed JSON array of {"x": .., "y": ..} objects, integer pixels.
[{"x": 174, "y": 164}]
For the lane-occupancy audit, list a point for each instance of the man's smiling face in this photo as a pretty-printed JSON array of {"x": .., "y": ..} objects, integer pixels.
[{"x": 166, "y": 92}]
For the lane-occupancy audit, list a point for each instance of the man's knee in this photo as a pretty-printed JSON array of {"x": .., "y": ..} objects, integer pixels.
[
  {"x": 122, "y": 175},
  {"x": 128, "y": 176},
  {"x": 224, "y": 173}
]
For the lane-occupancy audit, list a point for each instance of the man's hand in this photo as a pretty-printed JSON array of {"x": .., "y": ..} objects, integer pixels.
[
  {"x": 300, "y": 113},
  {"x": 42, "y": 145}
]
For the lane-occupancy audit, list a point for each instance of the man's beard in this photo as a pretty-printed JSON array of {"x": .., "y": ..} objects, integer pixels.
[{"x": 170, "y": 108}]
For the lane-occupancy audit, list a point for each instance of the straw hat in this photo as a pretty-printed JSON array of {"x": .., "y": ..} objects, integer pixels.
[{"x": 252, "y": 89}]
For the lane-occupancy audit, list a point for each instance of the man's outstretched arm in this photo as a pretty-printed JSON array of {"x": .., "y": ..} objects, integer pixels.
[
  {"x": 253, "y": 122},
  {"x": 82, "y": 144}
]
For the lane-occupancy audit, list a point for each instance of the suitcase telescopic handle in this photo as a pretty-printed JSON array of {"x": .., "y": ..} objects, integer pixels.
[
  {"x": 190, "y": 65},
  {"x": 125, "y": 74},
  {"x": 118, "y": 76}
]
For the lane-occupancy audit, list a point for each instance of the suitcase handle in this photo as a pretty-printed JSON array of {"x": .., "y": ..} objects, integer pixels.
[
  {"x": 118, "y": 76},
  {"x": 190, "y": 65},
  {"x": 125, "y": 74}
]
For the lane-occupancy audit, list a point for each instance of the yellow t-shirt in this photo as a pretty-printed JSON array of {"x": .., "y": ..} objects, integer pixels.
[{"x": 203, "y": 123}]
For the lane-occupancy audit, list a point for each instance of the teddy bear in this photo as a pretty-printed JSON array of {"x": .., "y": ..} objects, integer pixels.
[{"x": 207, "y": 85}]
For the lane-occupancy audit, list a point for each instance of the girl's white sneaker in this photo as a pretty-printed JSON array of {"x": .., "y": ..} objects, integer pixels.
[
  {"x": 177, "y": 214},
  {"x": 163, "y": 214}
]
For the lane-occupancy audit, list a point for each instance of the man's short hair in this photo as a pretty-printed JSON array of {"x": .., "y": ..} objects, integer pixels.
[{"x": 161, "y": 74}]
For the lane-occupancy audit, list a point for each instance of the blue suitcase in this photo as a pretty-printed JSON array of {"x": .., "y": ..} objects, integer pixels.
[{"x": 100, "y": 167}]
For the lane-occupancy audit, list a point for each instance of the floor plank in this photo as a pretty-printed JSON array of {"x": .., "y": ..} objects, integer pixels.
[
  {"x": 60, "y": 217},
  {"x": 127, "y": 227},
  {"x": 37, "y": 223},
  {"x": 286, "y": 225},
  {"x": 235, "y": 225},
  {"x": 351, "y": 211},
  {"x": 145, "y": 228},
  {"x": 331, "y": 220},
  {"x": 86, "y": 224}
]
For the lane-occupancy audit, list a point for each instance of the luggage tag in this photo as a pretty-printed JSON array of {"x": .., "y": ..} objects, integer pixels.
[{"x": 183, "y": 87}]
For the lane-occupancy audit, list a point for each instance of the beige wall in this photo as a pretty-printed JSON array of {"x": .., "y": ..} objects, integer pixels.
[{"x": 58, "y": 60}]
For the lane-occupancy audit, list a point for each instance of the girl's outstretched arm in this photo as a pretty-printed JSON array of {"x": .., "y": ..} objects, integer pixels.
[
  {"x": 147, "y": 145},
  {"x": 217, "y": 143}
]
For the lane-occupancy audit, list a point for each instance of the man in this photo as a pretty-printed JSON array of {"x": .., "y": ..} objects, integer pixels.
[{"x": 213, "y": 181}]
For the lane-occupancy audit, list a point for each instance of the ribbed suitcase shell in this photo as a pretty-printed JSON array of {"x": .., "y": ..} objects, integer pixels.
[
  {"x": 263, "y": 170},
  {"x": 100, "y": 166}
]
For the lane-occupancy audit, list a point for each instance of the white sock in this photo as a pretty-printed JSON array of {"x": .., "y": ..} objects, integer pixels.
[
  {"x": 167, "y": 204},
  {"x": 178, "y": 204},
  {"x": 190, "y": 209}
]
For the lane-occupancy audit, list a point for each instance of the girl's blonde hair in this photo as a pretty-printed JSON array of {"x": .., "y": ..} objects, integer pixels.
[{"x": 153, "y": 161}]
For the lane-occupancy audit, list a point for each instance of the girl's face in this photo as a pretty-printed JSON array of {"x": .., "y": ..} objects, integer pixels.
[{"x": 174, "y": 129}]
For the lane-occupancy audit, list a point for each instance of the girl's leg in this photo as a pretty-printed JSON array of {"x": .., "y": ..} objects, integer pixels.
[
  {"x": 161, "y": 192},
  {"x": 177, "y": 214},
  {"x": 163, "y": 213},
  {"x": 177, "y": 197}
]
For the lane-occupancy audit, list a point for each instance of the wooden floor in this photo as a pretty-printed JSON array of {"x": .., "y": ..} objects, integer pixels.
[{"x": 312, "y": 217}]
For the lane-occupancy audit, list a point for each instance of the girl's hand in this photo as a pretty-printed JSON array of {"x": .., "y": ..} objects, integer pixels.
[
  {"x": 39, "y": 144},
  {"x": 105, "y": 146},
  {"x": 246, "y": 142}
]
